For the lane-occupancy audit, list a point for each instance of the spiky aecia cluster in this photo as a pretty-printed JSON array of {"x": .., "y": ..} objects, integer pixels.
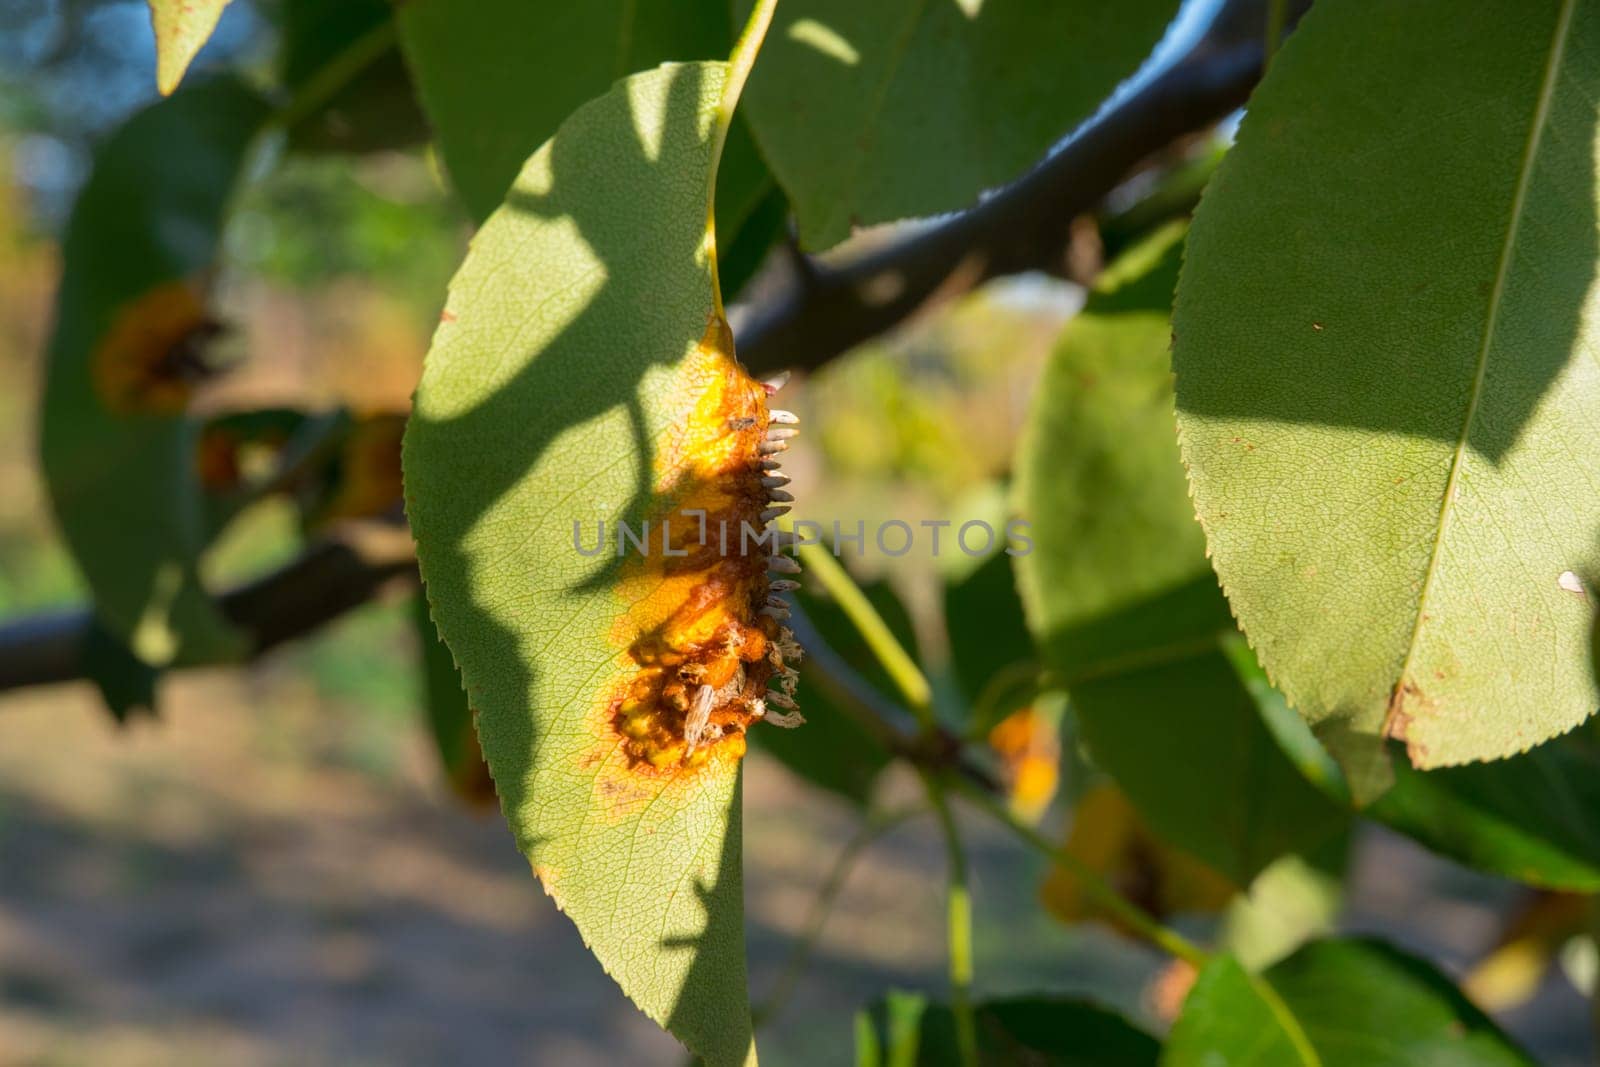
[{"x": 710, "y": 635}]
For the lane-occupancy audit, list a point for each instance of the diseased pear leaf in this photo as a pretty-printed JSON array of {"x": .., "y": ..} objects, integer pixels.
[
  {"x": 1119, "y": 596},
  {"x": 1387, "y": 381},
  {"x": 580, "y": 377},
  {"x": 117, "y": 442},
  {"x": 182, "y": 27},
  {"x": 873, "y": 112}
]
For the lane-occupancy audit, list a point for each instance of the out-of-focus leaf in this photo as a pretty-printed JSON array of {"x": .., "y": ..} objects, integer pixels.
[
  {"x": 990, "y": 648},
  {"x": 1289, "y": 903},
  {"x": 1510, "y": 975},
  {"x": 1186, "y": 740},
  {"x": 450, "y": 716},
  {"x": 498, "y": 76},
  {"x": 871, "y": 112},
  {"x": 126, "y": 683},
  {"x": 905, "y": 1030},
  {"x": 1335, "y": 1003},
  {"x": 1387, "y": 388},
  {"x": 579, "y": 376},
  {"x": 182, "y": 28},
  {"x": 1534, "y": 817},
  {"x": 118, "y": 447},
  {"x": 377, "y": 108},
  {"x": 1110, "y": 838},
  {"x": 1121, "y": 600}
]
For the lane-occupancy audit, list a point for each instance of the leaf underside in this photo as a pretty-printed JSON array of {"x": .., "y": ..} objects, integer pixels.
[
  {"x": 1387, "y": 381},
  {"x": 553, "y": 393}
]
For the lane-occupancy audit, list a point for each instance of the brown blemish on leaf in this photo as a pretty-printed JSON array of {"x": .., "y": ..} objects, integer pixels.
[
  {"x": 1406, "y": 705},
  {"x": 153, "y": 355}
]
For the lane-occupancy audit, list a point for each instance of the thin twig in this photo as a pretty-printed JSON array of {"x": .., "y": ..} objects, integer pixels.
[
  {"x": 1134, "y": 917},
  {"x": 828, "y": 892},
  {"x": 958, "y": 910}
]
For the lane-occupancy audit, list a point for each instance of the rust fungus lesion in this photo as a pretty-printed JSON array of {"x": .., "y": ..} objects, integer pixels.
[
  {"x": 705, "y": 628},
  {"x": 156, "y": 351}
]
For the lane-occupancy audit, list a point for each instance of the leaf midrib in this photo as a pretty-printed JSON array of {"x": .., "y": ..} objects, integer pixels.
[{"x": 1530, "y": 153}]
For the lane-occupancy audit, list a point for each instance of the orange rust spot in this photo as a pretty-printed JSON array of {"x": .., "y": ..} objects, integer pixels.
[
  {"x": 368, "y": 481},
  {"x": 1029, "y": 746},
  {"x": 152, "y": 357},
  {"x": 704, "y": 653},
  {"x": 447, "y": 315},
  {"x": 217, "y": 460}
]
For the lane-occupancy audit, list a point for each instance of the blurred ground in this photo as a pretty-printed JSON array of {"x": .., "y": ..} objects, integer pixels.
[
  {"x": 265, "y": 878},
  {"x": 259, "y": 880}
]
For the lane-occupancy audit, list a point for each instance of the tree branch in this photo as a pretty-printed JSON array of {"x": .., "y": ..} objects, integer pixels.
[
  {"x": 813, "y": 314},
  {"x": 820, "y": 313},
  {"x": 333, "y": 576}
]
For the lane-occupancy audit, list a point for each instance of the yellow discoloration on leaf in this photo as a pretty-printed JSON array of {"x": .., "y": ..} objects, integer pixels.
[
  {"x": 150, "y": 359},
  {"x": 182, "y": 28},
  {"x": 692, "y": 630}
]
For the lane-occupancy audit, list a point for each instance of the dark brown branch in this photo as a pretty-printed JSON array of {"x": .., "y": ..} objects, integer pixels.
[
  {"x": 816, "y": 314},
  {"x": 1027, "y": 226},
  {"x": 330, "y": 578}
]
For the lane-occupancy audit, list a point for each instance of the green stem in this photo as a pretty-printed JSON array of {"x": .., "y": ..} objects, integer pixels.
[
  {"x": 740, "y": 62},
  {"x": 959, "y": 921},
  {"x": 1286, "y": 1020},
  {"x": 821, "y": 906},
  {"x": 1132, "y": 916},
  {"x": 337, "y": 73},
  {"x": 1277, "y": 17},
  {"x": 902, "y": 669}
]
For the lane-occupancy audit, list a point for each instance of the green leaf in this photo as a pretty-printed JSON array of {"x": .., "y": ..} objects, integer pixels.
[
  {"x": 872, "y": 112},
  {"x": 1386, "y": 376},
  {"x": 991, "y": 651},
  {"x": 1336, "y": 1003},
  {"x": 117, "y": 444},
  {"x": 497, "y": 77},
  {"x": 127, "y": 684},
  {"x": 567, "y": 385},
  {"x": 376, "y": 108},
  {"x": 1121, "y": 600},
  {"x": 449, "y": 715},
  {"x": 1186, "y": 742},
  {"x": 182, "y": 28},
  {"x": 1534, "y": 817},
  {"x": 905, "y": 1030}
]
